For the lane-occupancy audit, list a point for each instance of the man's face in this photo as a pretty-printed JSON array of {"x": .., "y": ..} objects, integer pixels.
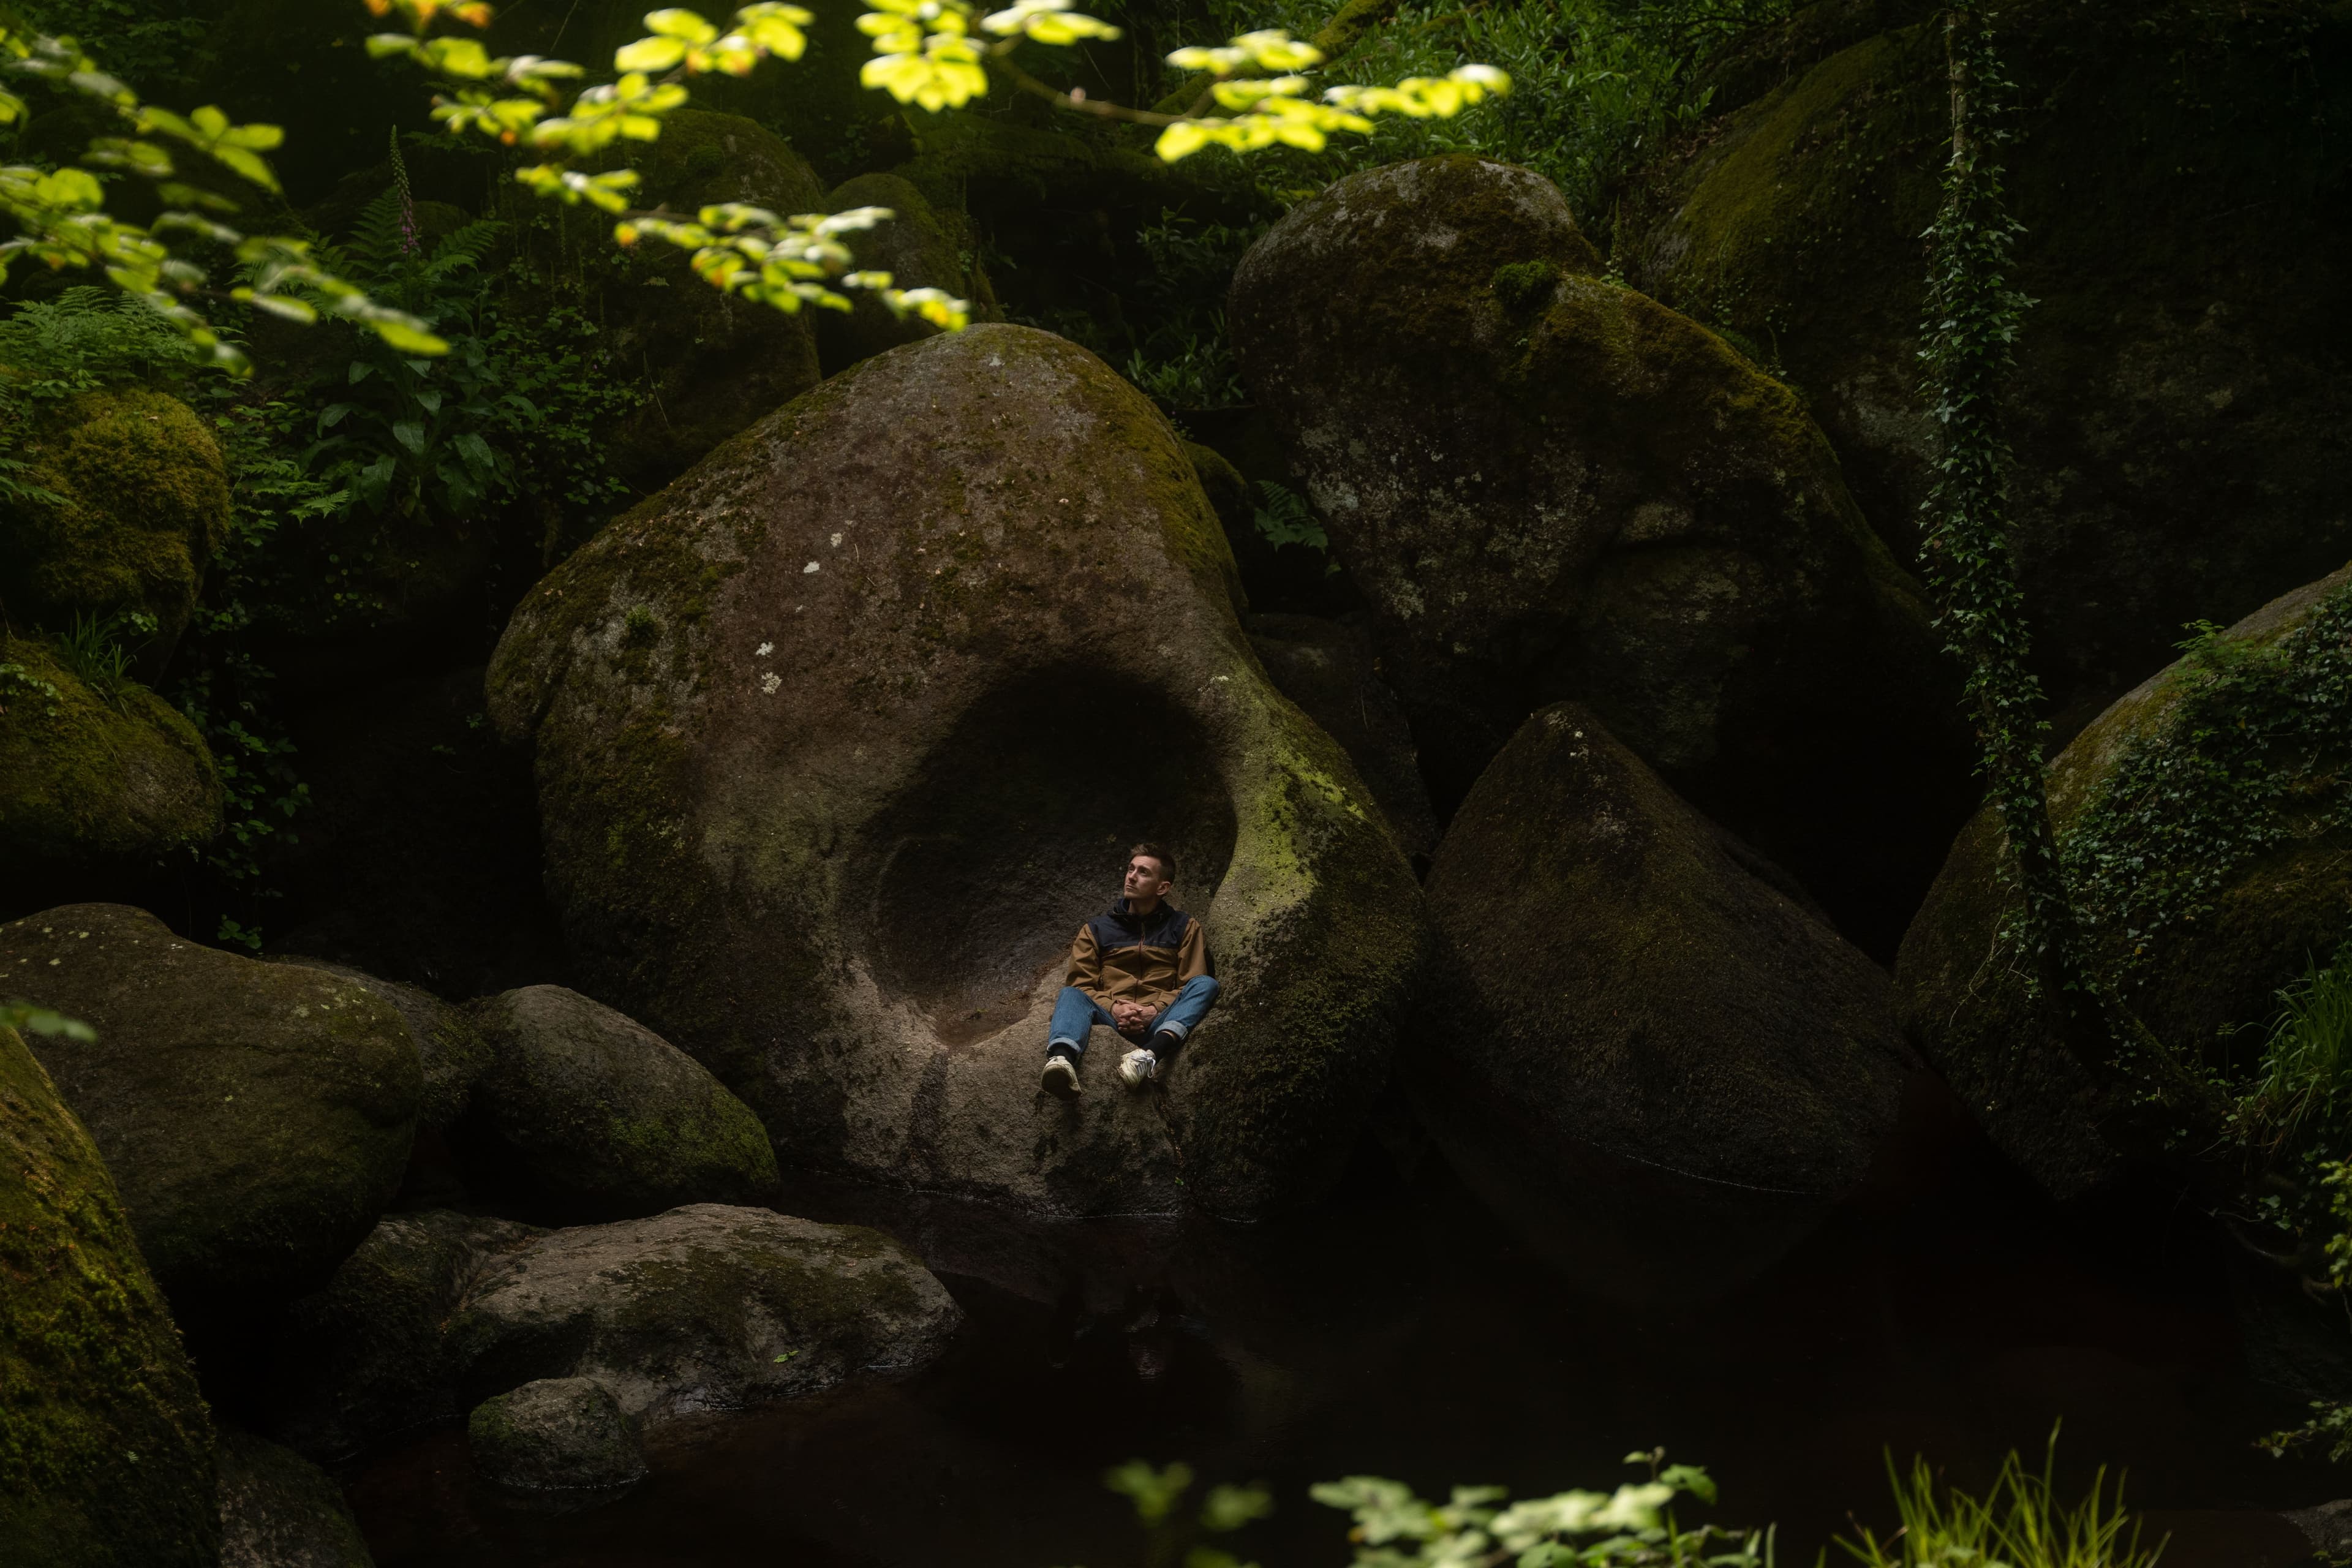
[{"x": 1146, "y": 878}]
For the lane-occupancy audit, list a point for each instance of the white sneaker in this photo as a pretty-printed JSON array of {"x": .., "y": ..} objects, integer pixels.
[
  {"x": 1061, "y": 1075},
  {"x": 1138, "y": 1067}
]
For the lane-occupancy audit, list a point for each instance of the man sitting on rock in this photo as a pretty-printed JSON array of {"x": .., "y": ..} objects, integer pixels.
[{"x": 1140, "y": 967}]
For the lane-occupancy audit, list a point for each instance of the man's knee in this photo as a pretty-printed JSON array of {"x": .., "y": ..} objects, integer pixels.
[{"x": 1204, "y": 986}]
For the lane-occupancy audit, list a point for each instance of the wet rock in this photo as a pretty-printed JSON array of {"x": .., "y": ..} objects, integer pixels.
[
  {"x": 141, "y": 503},
  {"x": 2201, "y": 900},
  {"x": 1329, "y": 670},
  {"x": 916, "y": 246},
  {"x": 824, "y": 748},
  {"x": 557, "y": 1435},
  {"x": 587, "y": 1115},
  {"x": 2179, "y": 428},
  {"x": 1670, "y": 1065},
  {"x": 712, "y": 363},
  {"x": 279, "y": 1510},
  {"x": 702, "y": 1308},
  {"x": 107, "y": 1454},
  {"x": 366, "y": 1360},
  {"x": 95, "y": 784},
  {"x": 256, "y": 1116},
  {"x": 1547, "y": 485}
]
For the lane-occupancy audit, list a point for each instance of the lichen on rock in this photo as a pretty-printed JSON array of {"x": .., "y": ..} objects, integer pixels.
[{"x": 839, "y": 739}]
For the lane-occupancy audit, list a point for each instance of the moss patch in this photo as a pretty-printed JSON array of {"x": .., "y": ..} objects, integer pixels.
[{"x": 106, "y": 1450}]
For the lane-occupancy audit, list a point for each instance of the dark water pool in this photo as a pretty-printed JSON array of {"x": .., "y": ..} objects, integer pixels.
[{"x": 1404, "y": 1333}]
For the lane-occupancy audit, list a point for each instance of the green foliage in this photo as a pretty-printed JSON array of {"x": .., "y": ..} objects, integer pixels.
[
  {"x": 1170, "y": 1535},
  {"x": 2018, "y": 1524},
  {"x": 88, "y": 337},
  {"x": 2256, "y": 758},
  {"x": 2302, "y": 1094},
  {"x": 28, "y": 1019},
  {"x": 94, "y": 653},
  {"x": 1286, "y": 518}
]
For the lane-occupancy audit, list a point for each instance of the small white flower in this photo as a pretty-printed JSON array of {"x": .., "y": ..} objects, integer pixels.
[
  {"x": 766, "y": 648},
  {"x": 836, "y": 542},
  {"x": 812, "y": 567},
  {"x": 770, "y": 681}
]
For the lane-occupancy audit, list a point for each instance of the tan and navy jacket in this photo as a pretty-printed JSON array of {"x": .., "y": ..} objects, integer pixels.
[{"x": 1123, "y": 957}]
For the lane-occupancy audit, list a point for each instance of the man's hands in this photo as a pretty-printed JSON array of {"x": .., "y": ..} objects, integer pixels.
[{"x": 1131, "y": 1018}]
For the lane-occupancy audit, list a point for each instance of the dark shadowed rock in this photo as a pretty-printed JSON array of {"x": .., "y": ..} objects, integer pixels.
[
  {"x": 585, "y": 1115},
  {"x": 2266, "y": 892},
  {"x": 1667, "y": 1065},
  {"x": 702, "y": 1308},
  {"x": 712, "y": 363},
  {"x": 451, "y": 1050},
  {"x": 1329, "y": 670},
  {"x": 366, "y": 1360},
  {"x": 915, "y": 246},
  {"x": 279, "y": 1510},
  {"x": 557, "y": 1435},
  {"x": 2179, "y": 419},
  {"x": 106, "y": 1453},
  {"x": 1547, "y": 485},
  {"x": 256, "y": 1116},
  {"x": 840, "y": 739}
]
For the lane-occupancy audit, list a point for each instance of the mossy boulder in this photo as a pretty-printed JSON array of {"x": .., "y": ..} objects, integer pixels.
[
  {"x": 106, "y": 1449},
  {"x": 2205, "y": 818},
  {"x": 143, "y": 502},
  {"x": 585, "y": 1114},
  {"x": 367, "y": 1360},
  {"x": 256, "y": 1116},
  {"x": 711, "y": 363},
  {"x": 1642, "y": 1043},
  {"x": 702, "y": 1308},
  {"x": 564, "y": 1435},
  {"x": 820, "y": 736},
  {"x": 279, "y": 1510},
  {"x": 916, "y": 246},
  {"x": 1329, "y": 669},
  {"x": 2177, "y": 411},
  {"x": 1549, "y": 486},
  {"x": 452, "y": 1052},
  {"x": 93, "y": 780}
]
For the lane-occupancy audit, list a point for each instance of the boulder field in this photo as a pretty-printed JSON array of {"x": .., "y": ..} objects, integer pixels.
[{"x": 840, "y": 737}]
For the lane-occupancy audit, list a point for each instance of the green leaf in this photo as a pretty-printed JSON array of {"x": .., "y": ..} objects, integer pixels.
[
  {"x": 35, "y": 1020},
  {"x": 410, "y": 433},
  {"x": 1155, "y": 1492}
]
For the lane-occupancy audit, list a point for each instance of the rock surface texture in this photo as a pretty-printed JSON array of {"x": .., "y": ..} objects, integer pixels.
[
  {"x": 1329, "y": 670},
  {"x": 703, "y": 1309},
  {"x": 1547, "y": 485},
  {"x": 106, "y": 1453},
  {"x": 256, "y": 1116},
  {"x": 279, "y": 1510},
  {"x": 1640, "y": 1041},
  {"x": 2180, "y": 427},
  {"x": 451, "y": 1052},
  {"x": 839, "y": 739},
  {"x": 557, "y": 1435},
  {"x": 2209, "y": 873},
  {"x": 585, "y": 1115}
]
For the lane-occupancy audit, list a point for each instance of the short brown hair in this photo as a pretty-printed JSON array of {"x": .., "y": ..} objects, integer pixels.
[{"x": 1157, "y": 852}]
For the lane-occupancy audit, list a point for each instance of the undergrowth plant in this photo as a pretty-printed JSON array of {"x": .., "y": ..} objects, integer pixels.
[{"x": 2018, "y": 1523}]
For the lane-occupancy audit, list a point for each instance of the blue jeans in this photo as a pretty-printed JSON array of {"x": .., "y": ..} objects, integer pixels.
[{"x": 1074, "y": 1013}]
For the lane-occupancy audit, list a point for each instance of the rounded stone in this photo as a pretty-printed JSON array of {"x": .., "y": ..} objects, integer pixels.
[
  {"x": 557, "y": 1435},
  {"x": 839, "y": 739},
  {"x": 279, "y": 1510}
]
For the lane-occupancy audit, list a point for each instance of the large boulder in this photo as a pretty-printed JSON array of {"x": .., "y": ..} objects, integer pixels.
[
  {"x": 1549, "y": 486},
  {"x": 840, "y": 738},
  {"x": 1642, "y": 1042},
  {"x": 702, "y": 1308},
  {"x": 452, "y": 1053},
  {"x": 256, "y": 1116},
  {"x": 1329, "y": 670},
  {"x": 106, "y": 1449},
  {"x": 2180, "y": 427},
  {"x": 712, "y": 363},
  {"x": 366, "y": 1360},
  {"x": 587, "y": 1115},
  {"x": 107, "y": 781},
  {"x": 139, "y": 501},
  {"x": 2202, "y": 819},
  {"x": 279, "y": 1510}
]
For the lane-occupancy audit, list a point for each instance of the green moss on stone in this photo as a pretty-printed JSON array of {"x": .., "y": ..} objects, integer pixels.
[
  {"x": 86, "y": 775},
  {"x": 106, "y": 1452}
]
